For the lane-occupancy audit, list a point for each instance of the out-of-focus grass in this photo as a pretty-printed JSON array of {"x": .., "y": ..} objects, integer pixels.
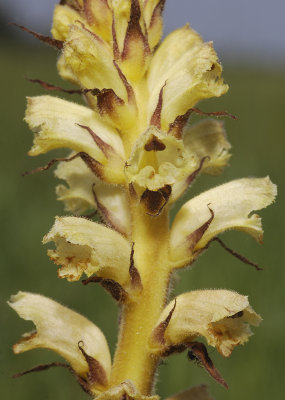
[{"x": 28, "y": 206}]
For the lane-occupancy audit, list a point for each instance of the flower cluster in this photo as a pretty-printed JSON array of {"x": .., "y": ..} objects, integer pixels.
[{"x": 132, "y": 153}]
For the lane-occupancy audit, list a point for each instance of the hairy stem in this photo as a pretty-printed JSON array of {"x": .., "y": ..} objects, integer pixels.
[{"x": 133, "y": 359}]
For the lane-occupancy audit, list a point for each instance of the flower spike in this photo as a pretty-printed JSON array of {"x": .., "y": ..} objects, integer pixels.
[{"x": 132, "y": 152}]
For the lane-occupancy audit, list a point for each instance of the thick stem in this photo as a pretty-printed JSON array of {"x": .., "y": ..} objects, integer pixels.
[{"x": 133, "y": 359}]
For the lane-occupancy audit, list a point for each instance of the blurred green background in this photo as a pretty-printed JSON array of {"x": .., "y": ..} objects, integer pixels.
[{"x": 28, "y": 207}]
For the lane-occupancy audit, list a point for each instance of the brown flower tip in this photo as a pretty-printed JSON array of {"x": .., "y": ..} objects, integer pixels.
[
  {"x": 46, "y": 39},
  {"x": 176, "y": 127},
  {"x": 155, "y": 201},
  {"x": 198, "y": 353},
  {"x": 154, "y": 144},
  {"x": 134, "y": 33},
  {"x": 108, "y": 101}
]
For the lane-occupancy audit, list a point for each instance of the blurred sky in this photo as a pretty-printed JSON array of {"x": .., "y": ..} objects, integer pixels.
[{"x": 243, "y": 30}]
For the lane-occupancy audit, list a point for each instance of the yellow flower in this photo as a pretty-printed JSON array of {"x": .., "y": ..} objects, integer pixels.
[
  {"x": 67, "y": 333},
  {"x": 87, "y": 247},
  {"x": 135, "y": 92},
  {"x": 125, "y": 80},
  {"x": 225, "y": 207},
  {"x": 222, "y": 317},
  {"x": 132, "y": 152}
]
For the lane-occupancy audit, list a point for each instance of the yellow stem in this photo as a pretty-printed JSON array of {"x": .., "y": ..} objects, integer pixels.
[{"x": 133, "y": 359}]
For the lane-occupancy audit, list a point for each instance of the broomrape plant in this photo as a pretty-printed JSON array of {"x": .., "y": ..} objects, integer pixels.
[{"x": 133, "y": 153}]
